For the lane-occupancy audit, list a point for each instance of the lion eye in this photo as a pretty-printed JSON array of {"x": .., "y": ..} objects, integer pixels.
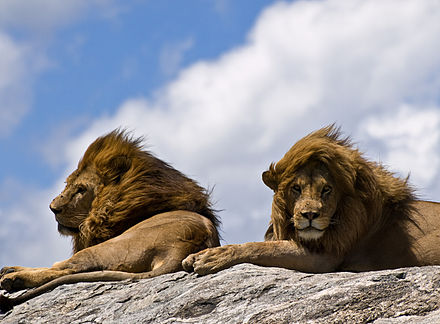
[
  {"x": 326, "y": 190},
  {"x": 296, "y": 188},
  {"x": 81, "y": 190}
]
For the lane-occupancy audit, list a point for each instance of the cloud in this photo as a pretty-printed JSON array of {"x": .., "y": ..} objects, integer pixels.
[
  {"x": 411, "y": 138},
  {"x": 44, "y": 16},
  {"x": 27, "y": 232},
  {"x": 222, "y": 7},
  {"x": 172, "y": 54},
  {"x": 37, "y": 15},
  {"x": 305, "y": 64},
  {"x": 13, "y": 69},
  {"x": 22, "y": 60}
]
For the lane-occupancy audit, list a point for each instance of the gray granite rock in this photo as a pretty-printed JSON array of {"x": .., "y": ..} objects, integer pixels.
[{"x": 245, "y": 294}]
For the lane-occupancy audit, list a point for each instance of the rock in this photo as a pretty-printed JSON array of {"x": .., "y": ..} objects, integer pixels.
[{"x": 245, "y": 294}]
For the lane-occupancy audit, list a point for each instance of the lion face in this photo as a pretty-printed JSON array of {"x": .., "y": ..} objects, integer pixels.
[
  {"x": 74, "y": 203},
  {"x": 311, "y": 199}
]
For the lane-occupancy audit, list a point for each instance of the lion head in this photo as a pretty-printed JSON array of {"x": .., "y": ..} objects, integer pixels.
[
  {"x": 73, "y": 205},
  {"x": 311, "y": 200},
  {"x": 327, "y": 195},
  {"x": 118, "y": 184}
]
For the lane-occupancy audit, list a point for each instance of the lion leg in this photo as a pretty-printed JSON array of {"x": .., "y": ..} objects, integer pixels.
[
  {"x": 283, "y": 254},
  {"x": 6, "y": 270},
  {"x": 7, "y": 303},
  {"x": 104, "y": 256},
  {"x": 24, "y": 278},
  {"x": 212, "y": 260},
  {"x": 29, "y": 278},
  {"x": 15, "y": 281},
  {"x": 169, "y": 264}
]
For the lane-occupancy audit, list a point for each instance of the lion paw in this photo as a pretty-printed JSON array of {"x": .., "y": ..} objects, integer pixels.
[
  {"x": 188, "y": 263},
  {"x": 210, "y": 260},
  {"x": 6, "y": 270},
  {"x": 19, "y": 280},
  {"x": 11, "y": 283}
]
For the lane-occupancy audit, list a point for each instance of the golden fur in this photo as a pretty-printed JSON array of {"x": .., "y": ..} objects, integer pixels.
[
  {"x": 334, "y": 210},
  {"x": 130, "y": 215}
]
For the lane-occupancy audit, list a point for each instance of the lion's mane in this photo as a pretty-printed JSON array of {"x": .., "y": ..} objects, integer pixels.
[
  {"x": 370, "y": 196},
  {"x": 135, "y": 186}
]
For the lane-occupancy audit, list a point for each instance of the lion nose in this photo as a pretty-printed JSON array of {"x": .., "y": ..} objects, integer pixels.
[
  {"x": 55, "y": 209},
  {"x": 310, "y": 215}
]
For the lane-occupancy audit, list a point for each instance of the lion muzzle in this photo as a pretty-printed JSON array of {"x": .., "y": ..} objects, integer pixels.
[{"x": 310, "y": 215}]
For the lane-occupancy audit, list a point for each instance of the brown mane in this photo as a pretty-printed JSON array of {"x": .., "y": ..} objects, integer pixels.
[
  {"x": 371, "y": 195},
  {"x": 148, "y": 186}
]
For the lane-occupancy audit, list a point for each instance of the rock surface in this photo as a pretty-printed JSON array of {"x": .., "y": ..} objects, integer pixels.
[{"x": 245, "y": 294}]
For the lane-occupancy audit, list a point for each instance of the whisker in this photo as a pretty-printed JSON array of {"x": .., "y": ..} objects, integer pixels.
[{"x": 80, "y": 214}]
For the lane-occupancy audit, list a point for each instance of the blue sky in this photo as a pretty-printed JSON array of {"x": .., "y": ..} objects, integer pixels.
[
  {"x": 98, "y": 60},
  {"x": 219, "y": 88}
]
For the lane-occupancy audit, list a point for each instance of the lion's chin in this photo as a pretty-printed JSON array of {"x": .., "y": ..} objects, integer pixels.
[
  {"x": 310, "y": 233},
  {"x": 64, "y": 230}
]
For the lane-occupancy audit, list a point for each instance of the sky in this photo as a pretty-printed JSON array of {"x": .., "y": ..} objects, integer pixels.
[{"x": 218, "y": 88}]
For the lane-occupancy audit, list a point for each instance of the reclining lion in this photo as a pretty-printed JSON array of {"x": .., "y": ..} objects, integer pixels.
[
  {"x": 335, "y": 211},
  {"x": 130, "y": 215}
]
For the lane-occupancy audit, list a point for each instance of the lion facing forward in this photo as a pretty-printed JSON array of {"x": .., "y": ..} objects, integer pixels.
[
  {"x": 130, "y": 215},
  {"x": 333, "y": 210}
]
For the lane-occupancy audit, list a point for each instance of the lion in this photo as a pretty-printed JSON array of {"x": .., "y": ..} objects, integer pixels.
[
  {"x": 130, "y": 216},
  {"x": 333, "y": 210}
]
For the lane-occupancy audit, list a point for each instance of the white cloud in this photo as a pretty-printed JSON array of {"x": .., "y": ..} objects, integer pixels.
[
  {"x": 305, "y": 64},
  {"x": 412, "y": 140},
  {"x": 28, "y": 235},
  {"x": 13, "y": 69}
]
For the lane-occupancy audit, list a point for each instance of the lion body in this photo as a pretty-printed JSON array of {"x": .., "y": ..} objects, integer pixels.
[
  {"x": 414, "y": 243},
  {"x": 333, "y": 210},
  {"x": 130, "y": 215}
]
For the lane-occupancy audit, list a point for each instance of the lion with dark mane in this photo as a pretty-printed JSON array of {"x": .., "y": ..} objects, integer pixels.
[
  {"x": 130, "y": 215},
  {"x": 333, "y": 210}
]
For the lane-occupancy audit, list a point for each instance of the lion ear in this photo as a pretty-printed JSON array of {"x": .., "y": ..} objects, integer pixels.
[
  {"x": 116, "y": 167},
  {"x": 270, "y": 179}
]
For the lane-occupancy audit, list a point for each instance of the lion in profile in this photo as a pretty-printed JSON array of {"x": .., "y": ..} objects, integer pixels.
[
  {"x": 333, "y": 210},
  {"x": 130, "y": 216}
]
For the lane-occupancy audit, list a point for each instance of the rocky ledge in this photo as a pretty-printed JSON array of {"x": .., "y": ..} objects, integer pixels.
[{"x": 245, "y": 294}]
